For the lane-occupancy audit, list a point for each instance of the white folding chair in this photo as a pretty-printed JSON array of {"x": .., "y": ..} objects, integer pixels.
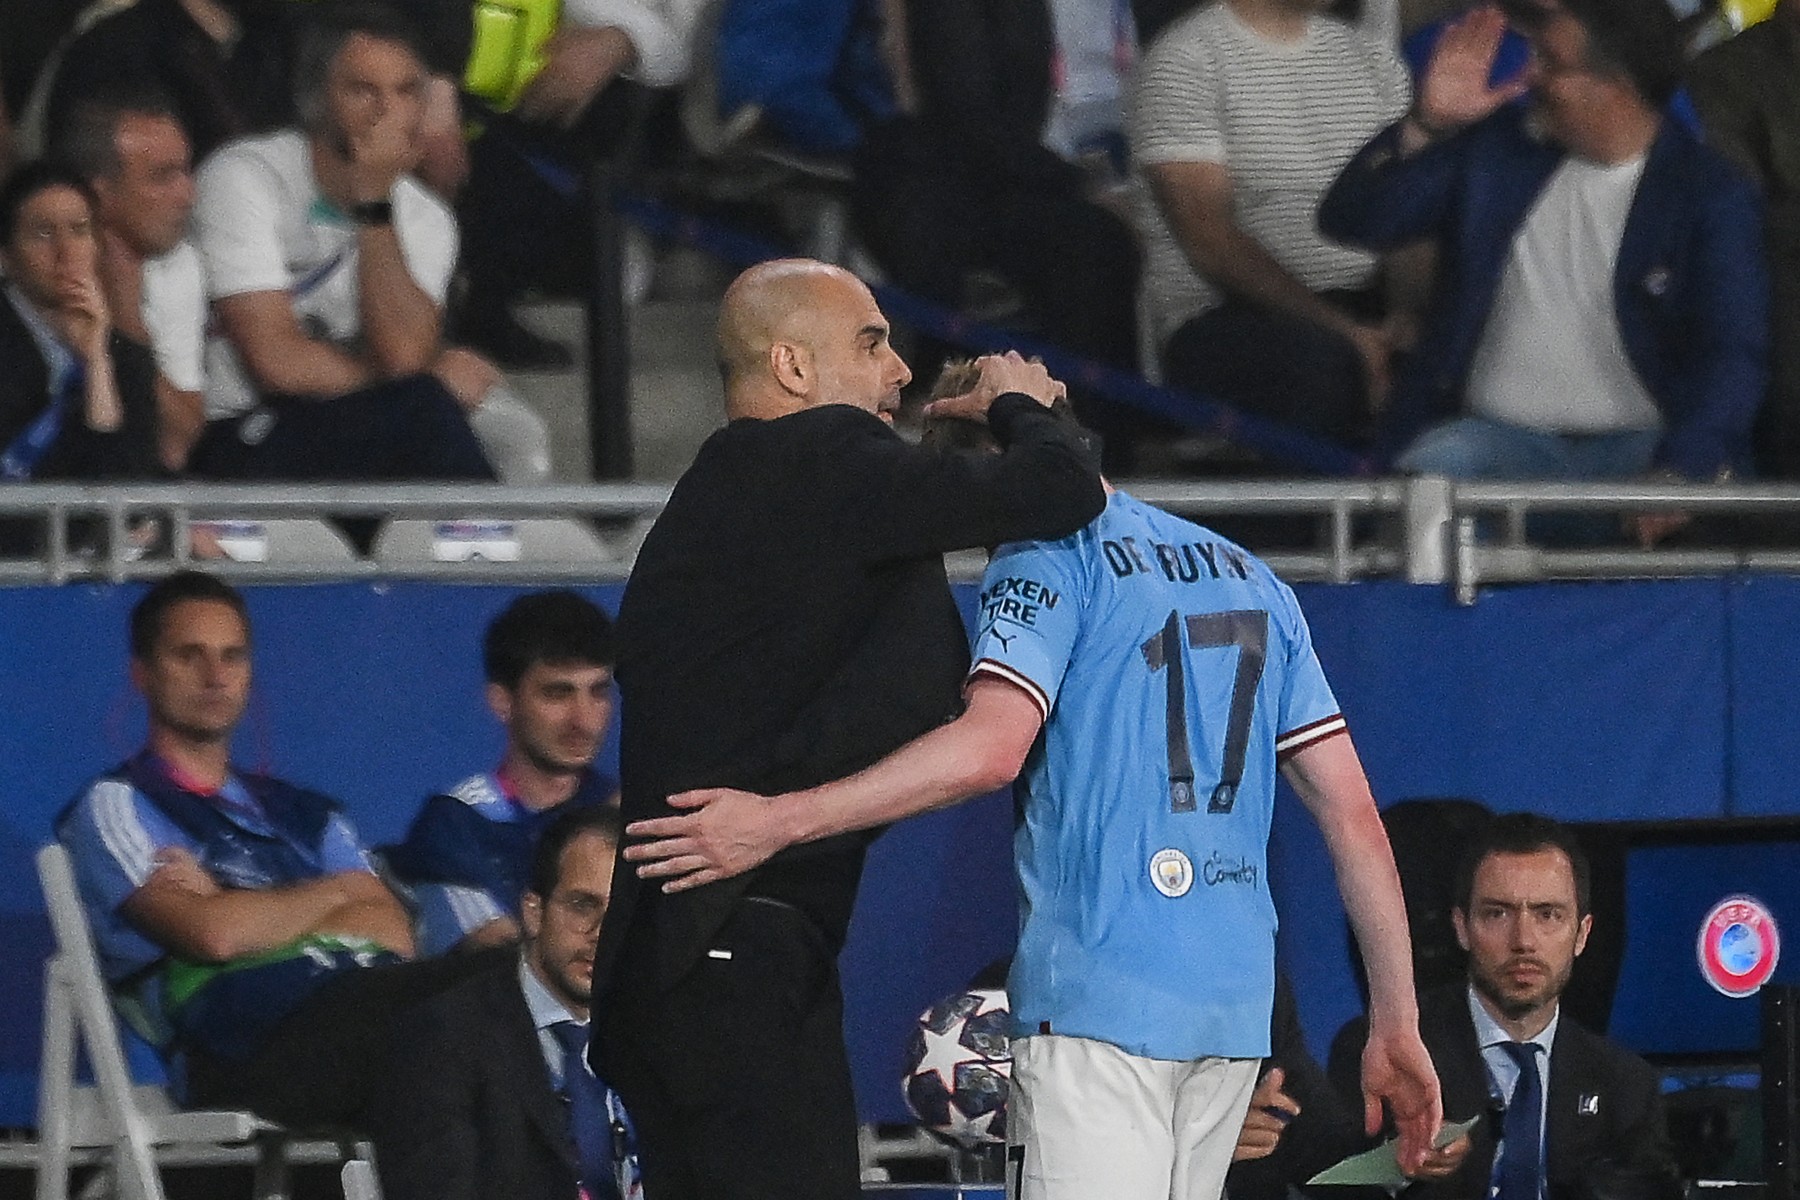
[{"x": 135, "y": 1129}]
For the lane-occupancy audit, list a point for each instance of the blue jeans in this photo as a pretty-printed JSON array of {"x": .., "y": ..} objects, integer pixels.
[{"x": 1477, "y": 448}]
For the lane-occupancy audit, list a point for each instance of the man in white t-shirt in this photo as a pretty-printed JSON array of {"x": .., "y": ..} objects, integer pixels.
[
  {"x": 127, "y": 143},
  {"x": 1603, "y": 307},
  {"x": 1241, "y": 115},
  {"x": 327, "y": 265}
]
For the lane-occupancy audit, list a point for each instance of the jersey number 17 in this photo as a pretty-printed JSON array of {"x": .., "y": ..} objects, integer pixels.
[{"x": 1248, "y": 630}]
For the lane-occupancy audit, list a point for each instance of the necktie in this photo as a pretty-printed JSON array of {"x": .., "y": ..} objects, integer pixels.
[
  {"x": 1522, "y": 1153},
  {"x": 589, "y": 1122}
]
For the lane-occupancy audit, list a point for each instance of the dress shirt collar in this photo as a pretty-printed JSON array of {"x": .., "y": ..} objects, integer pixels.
[{"x": 1488, "y": 1033}]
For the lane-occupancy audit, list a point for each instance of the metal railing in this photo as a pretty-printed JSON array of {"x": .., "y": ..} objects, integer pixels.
[{"x": 1424, "y": 530}]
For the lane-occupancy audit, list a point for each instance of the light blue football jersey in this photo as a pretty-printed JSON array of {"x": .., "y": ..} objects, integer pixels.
[{"x": 1173, "y": 669}]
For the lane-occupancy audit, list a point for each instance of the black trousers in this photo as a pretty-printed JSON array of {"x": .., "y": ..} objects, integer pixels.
[
  {"x": 1271, "y": 364},
  {"x": 409, "y": 428},
  {"x": 320, "y": 1065},
  {"x": 737, "y": 1078},
  {"x": 525, "y": 212}
]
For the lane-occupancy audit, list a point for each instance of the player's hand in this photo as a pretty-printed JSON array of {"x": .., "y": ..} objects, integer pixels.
[
  {"x": 1270, "y": 1111},
  {"x": 1397, "y": 1069},
  {"x": 723, "y": 833},
  {"x": 1000, "y": 373},
  {"x": 1443, "y": 1163},
  {"x": 578, "y": 64}
]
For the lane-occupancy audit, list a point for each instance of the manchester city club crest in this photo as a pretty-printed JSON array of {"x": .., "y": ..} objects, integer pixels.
[
  {"x": 1739, "y": 946},
  {"x": 1171, "y": 872}
]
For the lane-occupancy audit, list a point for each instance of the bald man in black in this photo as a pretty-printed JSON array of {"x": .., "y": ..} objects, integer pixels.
[{"x": 788, "y": 623}]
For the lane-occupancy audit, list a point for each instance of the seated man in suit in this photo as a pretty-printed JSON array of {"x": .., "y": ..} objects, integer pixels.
[
  {"x": 467, "y": 855},
  {"x": 470, "y": 1109},
  {"x": 1558, "y": 1103}
]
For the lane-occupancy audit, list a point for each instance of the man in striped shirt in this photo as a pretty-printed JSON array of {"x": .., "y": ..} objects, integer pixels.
[{"x": 1241, "y": 115}]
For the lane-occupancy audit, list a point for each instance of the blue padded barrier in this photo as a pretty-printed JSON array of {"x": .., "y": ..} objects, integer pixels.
[{"x": 1606, "y": 701}]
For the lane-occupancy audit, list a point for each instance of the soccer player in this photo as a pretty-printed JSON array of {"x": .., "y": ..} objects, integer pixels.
[{"x": 1168, "y": 673}]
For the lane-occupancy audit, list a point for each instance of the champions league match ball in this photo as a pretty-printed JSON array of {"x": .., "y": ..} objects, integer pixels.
[{"x": 959, "y": 1068}]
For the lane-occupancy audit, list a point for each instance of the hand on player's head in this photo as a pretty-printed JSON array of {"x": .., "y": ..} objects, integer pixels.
[{"x": 1000, "y": 374}]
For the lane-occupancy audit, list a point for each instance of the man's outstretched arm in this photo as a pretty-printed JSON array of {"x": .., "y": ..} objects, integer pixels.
[
  {"x": 726, "y": 832},
  {"x": 1329, "y": 779}
]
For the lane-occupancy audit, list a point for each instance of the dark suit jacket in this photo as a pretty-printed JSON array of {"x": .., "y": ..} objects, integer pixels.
[
  {"x": 466, "y": 1110},
  {"x": 79, "y": 452},
  {"x": 1690, "y": 289},
  {"x": 1605, "y": 1103}
]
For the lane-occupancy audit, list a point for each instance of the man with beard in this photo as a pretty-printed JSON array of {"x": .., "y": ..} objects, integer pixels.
[
  {"x": 1556, "y": 1100},
  {"x": 549, "y": 660},
  {"x": 469, "y": 1107}
]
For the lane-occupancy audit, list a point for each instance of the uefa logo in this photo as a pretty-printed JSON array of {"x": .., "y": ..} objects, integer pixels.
[{"x": 1739, "y": 946}]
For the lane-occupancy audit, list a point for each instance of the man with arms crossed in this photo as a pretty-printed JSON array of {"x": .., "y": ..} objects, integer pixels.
[
  {"x": 788, "y": 622},
  {"x": 1169, "y": 673},
  {"x": 236, "y": 913}
]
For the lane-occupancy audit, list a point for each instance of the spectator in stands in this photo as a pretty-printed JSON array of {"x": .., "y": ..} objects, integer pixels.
[
  {"x": 519, "y": 219},
  {"x": 327, "y": 264},
  {"x": 227, "y": 65},
  {"x": 129, "y": 146},
  {"x": 964, "y": 183},
  {"x": 77, "y": 397},
  {"x": 469, "y": 1108},
  {"x": 549, "y": 659},
  {"x": 814, "y": 69},
  {"x": 237, "y": 913},
  {"x": 1602, "y": 307},
  {"x": 1561, "y": 1109},
  {"x": 223, "y": 63},
  {"x": 1242, "y": 114},
  {"x": 1748, "y": 94}
]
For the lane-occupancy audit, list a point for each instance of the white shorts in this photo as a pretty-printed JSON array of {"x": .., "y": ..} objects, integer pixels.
[{"x": 1087, "y": 1121}]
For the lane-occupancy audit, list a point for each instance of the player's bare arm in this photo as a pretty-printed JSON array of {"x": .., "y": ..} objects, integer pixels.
[
  {"x": 1329, "y": 779},
  {"x": 723, "y": 832}
]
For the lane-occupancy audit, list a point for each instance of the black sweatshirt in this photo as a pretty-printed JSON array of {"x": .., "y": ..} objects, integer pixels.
[{"x": 788, "y": 623}]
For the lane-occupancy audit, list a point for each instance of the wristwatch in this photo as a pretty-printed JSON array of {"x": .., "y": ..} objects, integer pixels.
[{"x": 373, "y": 212}]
